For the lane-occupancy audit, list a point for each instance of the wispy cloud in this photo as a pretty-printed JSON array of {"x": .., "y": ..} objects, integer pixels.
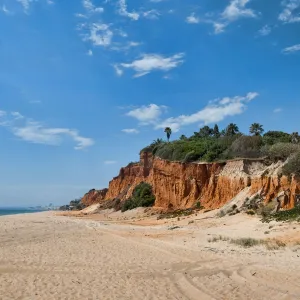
[
  {"x": 152, "y": 14},
  {"x": 147, "y": 114},
  {"x": 214, "y": 112},
  {"x": 123, "y": 11},
  {"x": 110, "y": 162},
  {"x": 192, "y": 19},
  {"x": 6, "y": 10},
  {"x": 289, "y": 13},
  {"x": 130, "y": 131},
  {"x": 25, "y": 4},
  {"x": 277, "y": 110},
  {"x": 265, "y": 30},
  {"x": 292, "y": 49},
  {"x": 153, "y": 62},
  {"x": 35, "y": 132},
  {"x": 99, "y": 34},
  {"x": 90, "y": 53},
  {"x": 90, "y": 7},
  {"x": 234, "y": 11},
  {"x": 237, "y": 9}
]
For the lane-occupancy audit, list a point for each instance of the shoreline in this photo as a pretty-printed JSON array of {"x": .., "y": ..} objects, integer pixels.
[{"x": 46, "y": 256}]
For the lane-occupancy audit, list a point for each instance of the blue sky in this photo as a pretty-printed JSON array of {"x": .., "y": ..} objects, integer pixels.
[{"x": 84, "y": 85}]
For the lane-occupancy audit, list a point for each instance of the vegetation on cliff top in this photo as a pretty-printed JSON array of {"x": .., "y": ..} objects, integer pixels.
[{"x": 211, "y": 144}]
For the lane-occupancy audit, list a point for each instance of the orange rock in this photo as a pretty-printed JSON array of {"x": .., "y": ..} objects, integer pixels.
[
  {"x": 179, "y": 185},
  {"x": 94, "y": 196}
]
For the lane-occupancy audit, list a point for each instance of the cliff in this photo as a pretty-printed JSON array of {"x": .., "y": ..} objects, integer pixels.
[
  {"x": 179, "y": 185},
  {"x": 94, "y": 196}
]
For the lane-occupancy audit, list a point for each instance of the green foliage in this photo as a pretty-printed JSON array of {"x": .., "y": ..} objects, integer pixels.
[
  {"x": 246, "y": 146},
  {"x": 211, "y": 144},
  {"x": 283, "y": 150},
  {"x": 273, "y": 137},
  {"x": 142, "y": 196},
  {"x": 284, "y": 215},
  {"x": 293, "y": 165},
  {"x": 231, "y": 129},
  {"x": 216, "y": 132},
  {"x": 256, "y": 129}
]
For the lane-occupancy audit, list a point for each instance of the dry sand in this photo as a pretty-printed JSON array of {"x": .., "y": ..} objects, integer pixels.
[{"x": 114, "y": 256}]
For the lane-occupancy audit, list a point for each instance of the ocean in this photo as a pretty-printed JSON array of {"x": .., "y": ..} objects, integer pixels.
[{"x": 4, "y": 211}]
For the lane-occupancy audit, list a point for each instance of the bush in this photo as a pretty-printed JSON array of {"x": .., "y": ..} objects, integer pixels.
[
  {"x": 283, "y": 150},
  {"x": 246, "y": 242},
  {"x": 292, "y": 166},
  {"x": 142, "y": 196},
  {"x": 247, "y": 146},
  {"x": 274, "y": 137},
  {"x": 284, "y": 215}
]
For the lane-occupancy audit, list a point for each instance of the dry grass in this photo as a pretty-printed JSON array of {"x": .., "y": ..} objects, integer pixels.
[{"x": 218, "y": 238}]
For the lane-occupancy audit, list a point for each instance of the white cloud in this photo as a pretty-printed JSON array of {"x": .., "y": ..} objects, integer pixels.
[
  {"x": 25, "y": 4},
  {"x": 119, "y": 71},
  {"x": 50, "y": 2},
  {"x": 152, "y": 14},
  {"x": 35, "y": 132},
  {"x": 90, "y": 53},
  {"x": 289, "y": 13},
  {"x": 123, "y": 11},
  {"x": 6, "y": 10},
  {"x": 2, "y": 113},
  {"x": 147, "y": 114},
  {"x": 214, "y": 112},
  {"x": 81, "y": 16},
  {"x": 130, "y": 131},
  {"x": 90, "y": 7},
  {"x": 237, "y": 9},
  {"x": 291, "y": 49},
  {"x": 265, "y": 30},
  {"x": 192, "y": 19},
  {"x": 219, "y": 27},
  {"x": 153, "y": 62},
  {"x": 100, "y": 35},
  {"x": 277, "y": 110},
  {"x": 17, "y": 115},
  {"x": 110, "y": 162}
]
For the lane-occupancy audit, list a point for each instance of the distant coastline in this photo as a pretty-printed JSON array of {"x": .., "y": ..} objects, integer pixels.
[{"x": 5, "y": 211}]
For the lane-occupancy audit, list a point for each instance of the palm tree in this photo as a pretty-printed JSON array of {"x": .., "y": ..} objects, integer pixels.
[
  {"x": 157, "y": 142},
  {"x": 168, "y": 131},
  {"x": 256, "y": 129},
  {"x": 232, "y": 129}
]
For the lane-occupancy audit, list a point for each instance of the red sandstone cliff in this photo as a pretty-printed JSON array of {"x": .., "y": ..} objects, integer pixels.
[
  {"x": 94, "y": 196},
  {"x": 181, "y": 185}
]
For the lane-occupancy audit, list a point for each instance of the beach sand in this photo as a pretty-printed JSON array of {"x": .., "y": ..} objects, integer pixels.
[{"x": 114, "y": 256}]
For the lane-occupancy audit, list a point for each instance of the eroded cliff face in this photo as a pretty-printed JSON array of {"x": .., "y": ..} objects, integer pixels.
[
  {"x": 94, "y": 196},
  {"x": 180, "y": 185}
]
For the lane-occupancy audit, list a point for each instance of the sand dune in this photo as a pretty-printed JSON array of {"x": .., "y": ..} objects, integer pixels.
[{"x": 43, "y": 256}]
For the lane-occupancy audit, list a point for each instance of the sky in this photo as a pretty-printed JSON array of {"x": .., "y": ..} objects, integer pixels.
[{"x": 85, "y": 84}]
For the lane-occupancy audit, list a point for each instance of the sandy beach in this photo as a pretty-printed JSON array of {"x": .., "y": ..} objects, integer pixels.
[{"x": 114, "y": 256}]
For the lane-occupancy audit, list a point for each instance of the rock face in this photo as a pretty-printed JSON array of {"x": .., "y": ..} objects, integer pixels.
[
  {"x": 94, "y": 196},
  {"x": 180, "y": 185}
]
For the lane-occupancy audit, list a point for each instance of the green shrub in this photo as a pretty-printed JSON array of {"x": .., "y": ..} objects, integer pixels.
[
  {"x": 274, "y": 137},
  {"x": 142, "y": 196},
  {"x": 284, "y": 215},
  {"x": 283, "y": 150},
  {"x": 292, "y": 166}
]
